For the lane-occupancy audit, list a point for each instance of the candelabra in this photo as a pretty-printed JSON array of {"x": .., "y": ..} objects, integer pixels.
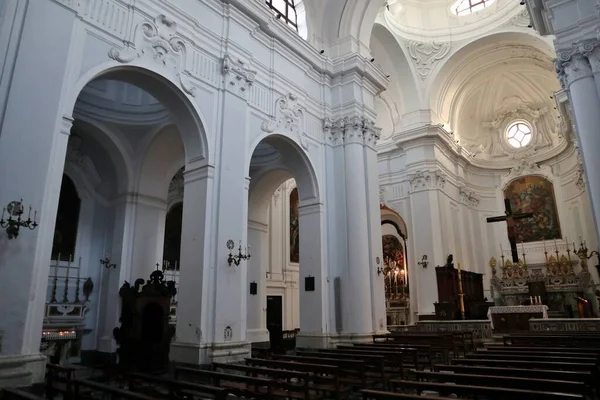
[
  {"x": 237, "y": 259},
  {"x": 424, "y": 263},
  {"x": 583, "y": 254},
  {"x": 106, "y": 262},
  {"x": 12, "y": 224}
]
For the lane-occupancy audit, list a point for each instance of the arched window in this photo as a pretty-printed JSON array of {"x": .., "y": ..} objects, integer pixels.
[
  {"x": 286, "y": 10},
  {"x": 67, "y": 221},
  {"x": 465, "y": 7},
  {"x": 172, "y": 246},
  {"x": 294, "y": 227}
]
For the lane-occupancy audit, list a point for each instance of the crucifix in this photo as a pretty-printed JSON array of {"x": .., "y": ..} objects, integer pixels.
[{"x": 511, "y": 222}]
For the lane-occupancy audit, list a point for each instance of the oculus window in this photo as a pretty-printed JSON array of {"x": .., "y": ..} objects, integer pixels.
[
  {"x": 518, "y": 134},
  {"x": 286, "y": 10},
  {"x": 466, "y": 7}
]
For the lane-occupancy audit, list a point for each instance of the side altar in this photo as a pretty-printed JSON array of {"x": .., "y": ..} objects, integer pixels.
[{"x": 562, "y": 282}]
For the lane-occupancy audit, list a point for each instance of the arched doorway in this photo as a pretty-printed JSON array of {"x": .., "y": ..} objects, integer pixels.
[
  {"x": 395, "y": 268},
  {"x": 286, "y": 246}
]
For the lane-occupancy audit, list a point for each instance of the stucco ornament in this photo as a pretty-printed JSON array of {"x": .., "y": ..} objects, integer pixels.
[
  {"x": 158, "y": 40},
  {"x": 289, "y": 117},
  {"x": 238, "y": 76},
  {"x": 427, "y": 55}
]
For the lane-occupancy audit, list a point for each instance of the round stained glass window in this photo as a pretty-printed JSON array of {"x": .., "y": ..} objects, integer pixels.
[{"x": 518, "y": 134}]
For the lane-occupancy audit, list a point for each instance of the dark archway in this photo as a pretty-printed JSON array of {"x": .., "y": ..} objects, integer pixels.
[
  {"x": 172, "y": 246},
  {"x": 67, "y": 221}
]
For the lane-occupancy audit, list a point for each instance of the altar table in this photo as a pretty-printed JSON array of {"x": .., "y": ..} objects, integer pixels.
[{"x": 506, "y": 319}]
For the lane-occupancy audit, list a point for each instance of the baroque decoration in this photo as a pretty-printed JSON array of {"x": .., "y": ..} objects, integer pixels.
[
  {"x": 533, "y": 193},
  {"x": 289, "y": 117},
  {"x": 427, "y": 55},
  {"x": 355, "y": 129},
  {"x": 422, "y": 180},
  {"x": 494, "y": 143},
  {"x": 238, "y": 76},
  {"x": 158, "y": 40}
]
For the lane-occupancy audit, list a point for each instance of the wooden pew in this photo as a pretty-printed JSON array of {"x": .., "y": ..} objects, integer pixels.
[
  {"x": 408, "y": 356},
  {"x": 574, "y": 376},
  {"x": 489, "y": 392},
  {"x": 112, "y": 392},
  {"x": 283, "y": 380},
  {"x": 374, "y": 365},
  {"x": 324, "y": 378},
  {"x": 552, "y": 340},
  {"x": 530, "y": 350},
  {"x": 442, "y": 344},
  {"x": 512, "y": 382},
  {"x": 239, "y": 385},
  {"x": 564, "y": 366},
  {"x": 379, "y": 395},
  {"x": 354, "y": 371},
  {"x": 175, "y": 388},
  {"x": 18, "y": 394},
  {"x": 534, "y": 357},
  {"x": 424, "y": 352},
  {"x": 59, "y": 379}
]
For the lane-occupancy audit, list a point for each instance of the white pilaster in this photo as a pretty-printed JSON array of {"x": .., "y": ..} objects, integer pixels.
[
  {"x": 149, "y": 236},
  {"x": 196, "y": 274},
  {"x": 32, "y": 156},
  {"x": 258, "y": 239},
  {"x": 575, "y": 73}
]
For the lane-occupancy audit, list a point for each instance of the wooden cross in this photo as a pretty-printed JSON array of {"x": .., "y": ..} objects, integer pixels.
[{"x": 511, "y": 222}]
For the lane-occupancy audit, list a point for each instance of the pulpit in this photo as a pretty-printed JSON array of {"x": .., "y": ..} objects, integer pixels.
[{"x": 144, "y": 336}]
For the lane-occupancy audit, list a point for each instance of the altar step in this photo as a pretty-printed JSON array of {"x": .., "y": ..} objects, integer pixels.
[{"x": 557, "y": 314}]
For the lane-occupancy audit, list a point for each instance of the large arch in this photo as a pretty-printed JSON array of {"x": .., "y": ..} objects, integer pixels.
[
  {"x": 187, "y": 114},
  {"x": 276, "y": 159}
]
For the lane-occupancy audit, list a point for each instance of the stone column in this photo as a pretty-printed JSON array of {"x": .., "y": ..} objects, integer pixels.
[
  {"x": 231, "y": 212},
  {"x": 379, "y": 323},
  {"x": 258, "y": 238},
  {"x": 582, "y": 83},
  {"x": 33, "y": 144},
  {"x": 196, "y": 275},
  {"x": 427, "y": 237},
  {"x": 149, "y": 236},
  {"x": 357, "y": 310}
]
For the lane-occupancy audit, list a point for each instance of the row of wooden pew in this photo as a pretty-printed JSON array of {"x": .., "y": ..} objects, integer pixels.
[{"x": 535, "y": 365}]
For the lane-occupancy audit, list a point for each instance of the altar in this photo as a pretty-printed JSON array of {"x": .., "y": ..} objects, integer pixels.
[{"x": 508, "y": 319}]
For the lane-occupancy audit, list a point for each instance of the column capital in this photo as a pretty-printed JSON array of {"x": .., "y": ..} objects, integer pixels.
[
  {"x": 238, "y": 77},
  {"x": 354, "y": 129},
  {"x": 579, "y": 62},
  {"x": 427, "y": 180}
]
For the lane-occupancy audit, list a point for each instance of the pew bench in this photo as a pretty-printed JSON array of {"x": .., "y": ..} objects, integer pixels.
[
  {"x": 410, "y": 356},
  {"x": 563, "y": 366},
  {"x": 392, "y": 360},
  {"x": 84, "y": 389},
  {"x": 499, "y": 393},
  {"x": 375, "y": 367},
  {"x": 175, "y": 388},
  {"x": 18, "y": 394},
  {"x": 512, "y": 382},
  {"x": 534, "y": 357},
  {"x": 239, "y": 385},
  {"x": 424, "y": 352},
  {"x": 288, "y": 384},
  {"x": 380, "y": 395},
  {"x": 323, "y": 379}
]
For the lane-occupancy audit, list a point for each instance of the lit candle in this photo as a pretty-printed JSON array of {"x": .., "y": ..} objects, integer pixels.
[{"x": 530, "y": 299}]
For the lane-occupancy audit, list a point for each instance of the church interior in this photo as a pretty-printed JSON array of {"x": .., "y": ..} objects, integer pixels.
[{"x": 303, "y": 199}]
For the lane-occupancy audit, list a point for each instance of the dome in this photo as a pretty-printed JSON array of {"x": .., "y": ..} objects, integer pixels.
[{"x": 448, "y": 20}]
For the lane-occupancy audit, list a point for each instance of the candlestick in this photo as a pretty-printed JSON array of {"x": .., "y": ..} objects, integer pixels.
[
  {"x": 555, "y": 245},
  {"x": 501, "y": 249},
  {"x": 530, "y": 299},
  {"x": 544, "y": 245},
  {"x": 29, "y": 215},
  {"x": 68, "y": 266},
  {"x": 79, "y": 268}
]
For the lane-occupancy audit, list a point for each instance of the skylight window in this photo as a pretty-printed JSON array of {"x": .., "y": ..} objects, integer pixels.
[{"x": 466, "y": 7}]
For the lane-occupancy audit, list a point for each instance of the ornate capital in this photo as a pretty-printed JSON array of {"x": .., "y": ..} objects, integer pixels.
[
  {"x": 426, "y": 180},
  {"x": 159, "y": 41},
  {"x": 238, "y": 76},
  {"x": 351, "y": 130},
  {"x": 581, "y": 61},
  {"x": 289, "y": 117},
  {"x": 468, "y": 197}
]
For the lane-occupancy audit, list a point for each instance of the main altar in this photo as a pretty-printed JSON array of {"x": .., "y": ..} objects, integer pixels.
[{"x": 562, "y": 281}]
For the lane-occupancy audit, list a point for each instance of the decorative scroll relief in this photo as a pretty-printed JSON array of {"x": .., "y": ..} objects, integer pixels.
[
  {"x": 423, "y": 180},
  {"x": 238, "y": 76},
  {"x": 158, "y": 41},
  {"x": 427, "y": 55},
  {"x": 522, "y": 19},
  {"x": 525, "y": 167},
  {"x": 580, "y": 172},
  {"x": 468, "y": 197},
  {"x": 289, "y": 117}
]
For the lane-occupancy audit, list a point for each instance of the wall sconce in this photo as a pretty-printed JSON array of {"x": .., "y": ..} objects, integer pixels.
[
  {"x": 106, "y": 262},
  {"x": 424, "y": 263},
  {"x": 237, "y": 259},
  {"x": 379, "y": 269},
  {"x": 13, "y": 225}
]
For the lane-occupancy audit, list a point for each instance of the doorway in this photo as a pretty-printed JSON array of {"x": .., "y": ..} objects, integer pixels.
[{"x": 275, "y": 322}]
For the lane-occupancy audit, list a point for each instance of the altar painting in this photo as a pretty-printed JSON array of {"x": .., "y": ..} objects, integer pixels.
[
  {"x": 534, "y": 194},
  {"x": 294, "y": 227}
]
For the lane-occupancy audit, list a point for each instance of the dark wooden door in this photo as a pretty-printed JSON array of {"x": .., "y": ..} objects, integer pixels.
[{"x": 275, "y": 322}]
